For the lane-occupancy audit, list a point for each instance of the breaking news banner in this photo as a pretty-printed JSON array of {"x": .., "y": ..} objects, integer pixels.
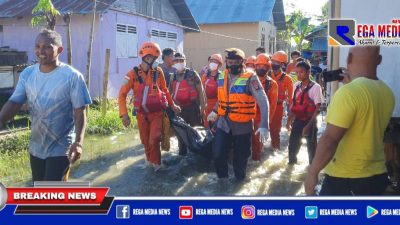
[{"x": 62, "y": 202}]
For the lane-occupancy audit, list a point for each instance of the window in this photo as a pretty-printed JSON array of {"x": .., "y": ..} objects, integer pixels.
[
  {"x": 263, "y": 40},
  {"x": 127, "y": 41},
  {"x": 164, "y": 39}
]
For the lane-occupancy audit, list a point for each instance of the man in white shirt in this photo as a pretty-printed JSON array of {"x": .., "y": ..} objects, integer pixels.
[{"x": 307, "y": 99}]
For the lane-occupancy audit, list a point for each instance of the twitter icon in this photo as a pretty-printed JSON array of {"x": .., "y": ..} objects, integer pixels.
[{"x": 311, "y": 212}]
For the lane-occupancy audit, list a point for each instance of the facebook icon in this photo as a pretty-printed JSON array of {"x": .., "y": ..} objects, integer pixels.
[{"x": 123, "y": 212}]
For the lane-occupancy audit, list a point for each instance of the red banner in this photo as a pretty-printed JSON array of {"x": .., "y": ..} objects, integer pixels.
[{"x": 56, "y": 196}]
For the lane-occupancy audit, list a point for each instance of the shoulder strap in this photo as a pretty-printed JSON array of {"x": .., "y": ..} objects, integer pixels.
[
  {"x": 306, "y": 91},
  {"x": 155, "y": 76},
  {"x": 282, "y": 77},
  {"x": 267, "y": 85},
  {"x": 139, "y": 78},
  {"x": 295, "y": 94}
]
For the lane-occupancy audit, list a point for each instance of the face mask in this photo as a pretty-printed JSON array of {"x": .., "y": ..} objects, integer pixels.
[
  {"x": 213, "y": 66},
  {"x": 235, "y": 69},
  {"x": 261, "y": 72},
  {"x": 276, "y": 66},
  {"x": 179, "y": 66},
  {"x": 154, "y": 65}
]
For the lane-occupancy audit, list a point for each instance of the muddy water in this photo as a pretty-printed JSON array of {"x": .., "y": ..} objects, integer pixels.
[{"x": 118, "y": 162}]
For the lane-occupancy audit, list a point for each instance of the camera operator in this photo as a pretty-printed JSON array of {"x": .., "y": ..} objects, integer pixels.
[{"x": 351, "y": 147}]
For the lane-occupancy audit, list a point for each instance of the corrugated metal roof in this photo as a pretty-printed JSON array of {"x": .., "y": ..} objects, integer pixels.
[
  {"x": 237, "y": 11},
  {"x": 13, "y": 8},
  {"x": 184, "y": 13}
]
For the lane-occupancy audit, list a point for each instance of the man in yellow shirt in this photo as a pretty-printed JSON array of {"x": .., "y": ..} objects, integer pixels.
[{"x": 351, "y": 148}]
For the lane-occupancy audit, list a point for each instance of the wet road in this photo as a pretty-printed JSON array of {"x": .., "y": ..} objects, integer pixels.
[{"x": 124, "y": 170}]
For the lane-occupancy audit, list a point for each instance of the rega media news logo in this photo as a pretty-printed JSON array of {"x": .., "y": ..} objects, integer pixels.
[
  {"x": 341, "y": 32},
  {"x": 347, "y": 32}
]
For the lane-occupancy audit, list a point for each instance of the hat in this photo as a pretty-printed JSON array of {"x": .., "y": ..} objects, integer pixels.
[
  {"x": 234, "y": 53},
  {"x": 179, "y": 56}
]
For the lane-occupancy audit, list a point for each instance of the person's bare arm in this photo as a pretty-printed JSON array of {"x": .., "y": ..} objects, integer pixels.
[
  {"x": 326, "y": 149},
  {"x": 80, "y": 127},
  {"x": 9, "y": 110}
]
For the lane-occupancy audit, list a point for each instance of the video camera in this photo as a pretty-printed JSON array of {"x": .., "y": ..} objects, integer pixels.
[{"x": 333, "y": 75}]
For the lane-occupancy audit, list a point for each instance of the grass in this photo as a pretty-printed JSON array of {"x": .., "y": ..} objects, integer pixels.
[
  {"x": 108, "y": 124},
  {"x": 14, "y": 156}
]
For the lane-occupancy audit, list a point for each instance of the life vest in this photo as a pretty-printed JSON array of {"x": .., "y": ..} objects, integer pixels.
[
  {"x": 235, "y": 102},
  {"x": 210, "y": 85},
  {"x": 148, "y": 98},
  {"x": 303, "y": 107},
  {"x": 183, "y": 93}
]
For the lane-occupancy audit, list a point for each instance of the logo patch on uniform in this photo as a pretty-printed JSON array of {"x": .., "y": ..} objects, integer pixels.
[{"x": 255, "y": 84}]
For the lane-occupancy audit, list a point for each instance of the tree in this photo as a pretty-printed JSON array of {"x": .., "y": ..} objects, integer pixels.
[
  {"x": 44, "y": 13},
  {"x": 297, "y": 27},
  {"x": 323, "y": 18}
]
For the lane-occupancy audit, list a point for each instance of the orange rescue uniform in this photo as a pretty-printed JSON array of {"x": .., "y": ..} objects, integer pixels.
[
  {"x": 150, "y": 124},
  {"x": 272, "y": 94},
  {"x": 285, "y": 93}
]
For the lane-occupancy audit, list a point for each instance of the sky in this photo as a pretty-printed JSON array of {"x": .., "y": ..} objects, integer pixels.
[{"x": 311, "y": 8}]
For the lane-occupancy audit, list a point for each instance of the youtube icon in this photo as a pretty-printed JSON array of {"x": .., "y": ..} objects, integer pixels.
[{"x": 185, "y": 212}]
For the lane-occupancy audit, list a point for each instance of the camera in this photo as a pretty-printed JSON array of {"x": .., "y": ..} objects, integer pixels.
[{"x": 333, "y": 75}]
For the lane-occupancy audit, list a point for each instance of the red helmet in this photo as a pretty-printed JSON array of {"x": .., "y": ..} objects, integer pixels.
[
  {"x": 149, "y": 48},
  {"x": 251, "y": 60},
  {"x": 263, "y": 59},
  {"x": 280, "y": 56}
]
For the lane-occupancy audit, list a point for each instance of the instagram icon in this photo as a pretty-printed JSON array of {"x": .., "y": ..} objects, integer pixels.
[{"x": 248, "y": 212}]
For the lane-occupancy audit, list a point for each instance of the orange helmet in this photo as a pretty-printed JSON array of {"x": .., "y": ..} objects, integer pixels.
[
  {"x": 251, "y": 60},
  {"x": 263, "y": 59},
  {"x": 149, "y": 48},
  {"x": 217, "y": 57},
  {"x": 280, "y": 56}
]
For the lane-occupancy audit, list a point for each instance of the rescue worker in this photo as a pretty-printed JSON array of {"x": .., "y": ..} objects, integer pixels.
[
  {"x": 151, "y": 97},
  {"x": 304, "y": 110},
  {"x": 263, "y": 65},
  {"x": 285, "y": 92},
  {"x": 210, "y": 84},
  {"x": 251, "y": 63},
  {"x": 294, "y": 56},
  {"x": 238, "y": 92},
  {"x": 188, "y": 93}
]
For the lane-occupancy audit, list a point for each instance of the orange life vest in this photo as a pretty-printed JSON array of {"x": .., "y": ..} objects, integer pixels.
[
  {"x": 303, "y": 107},
  {"x": 235, "y": 102},
  {"x": 183, "y": 93},
  {"x": 148, "y": 98}
]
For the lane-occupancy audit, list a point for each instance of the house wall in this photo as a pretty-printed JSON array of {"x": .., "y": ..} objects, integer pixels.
[
  {"x": 18, "y": 33},
  {"x": 269, "y": 30},
  {"x": 120, "y": 66},
  {"x": 374, "y": 12},
  {"x": 199, "y": 46}
]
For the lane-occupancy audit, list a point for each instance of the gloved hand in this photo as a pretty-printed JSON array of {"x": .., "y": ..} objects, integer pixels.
[
  {"x": 212, "y": 116},
  {"x": 264, "y": 135}
]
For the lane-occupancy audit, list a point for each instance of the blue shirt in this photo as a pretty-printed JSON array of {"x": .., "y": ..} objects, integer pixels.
[{"x": 51, "y": 98}]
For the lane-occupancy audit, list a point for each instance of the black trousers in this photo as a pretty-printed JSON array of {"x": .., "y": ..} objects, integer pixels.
[
  {"x": 191, "y": 115},
  {"x": 295, "y": 140},
  {"x": 223, "y": 143},
  {"x": 374, "y": 185},
  {"x": 50, "y": 169}
]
